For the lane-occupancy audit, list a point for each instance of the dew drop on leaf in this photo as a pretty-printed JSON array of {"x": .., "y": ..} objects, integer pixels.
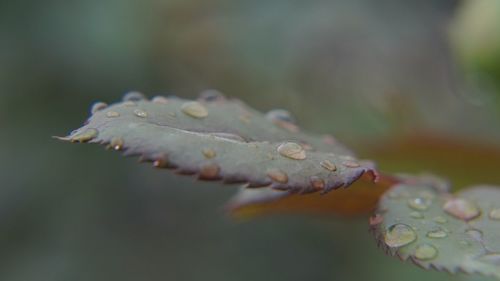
[
  {"x": 280, "y": 115},
  {"x": 209, "y": 153},
  {"x": 98, "y": 106},
  {"x": 133, "y": 96},
  {"x": 376, "y": 219},
  {"x": 129, "y": 104},
  {"x": 209, "y": 171},
  {"x": 161, "y": 162},
  {"x": 495, "y": 214},
  {"x": 112, "y": 114},
  {"x": 211, "y": 95},
  {"x": 140, "y": 113},
  {"x": 116, "y": 143},
  {"x": 317, "y": 183},
  {"x": 277, "y": 176},
  {"x": 436, "y": 234},
  {"x": 399, "y": 235},
  {"x": 160, "y": 100},
  {"x": 245, "y": 118},
  {"x": 194, "y": 109},
  {"x": 327, "y": 164},
  {"x": 425, "y": 252},
  {"x": 292, "y": 150},
  {"x": 419, "y": 203},
  {"x": 461, "y": 209}
]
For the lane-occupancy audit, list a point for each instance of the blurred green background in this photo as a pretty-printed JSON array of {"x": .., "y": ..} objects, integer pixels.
[{"x": 361, "y": 70}]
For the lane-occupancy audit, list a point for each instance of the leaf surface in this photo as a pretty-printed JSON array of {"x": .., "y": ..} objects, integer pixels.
[
  {"x": 438, "y": 230},
  {"x": 221, "y": 139}
]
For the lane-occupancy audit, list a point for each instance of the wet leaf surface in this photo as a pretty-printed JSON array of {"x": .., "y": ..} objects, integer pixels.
[
  {"x": 216, "y": 138},
  {"x": 438, "y": 230}
]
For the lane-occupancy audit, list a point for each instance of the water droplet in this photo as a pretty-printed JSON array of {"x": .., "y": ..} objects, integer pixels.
[
  {"x": 461, "y": 209},
  {"x": 209, "y": 171},
  {"x": 495, "y": 214},
  {"x": 98, "y": 106},
  {"x": 280, "y": 115},
  {"x": 277, "y": 176},
  {"x": 112, "y": 114},
  {"x": 475, "y": 234},
  {"x": 399, "y": 235},
  {"x": 245, "y": 118},
  {"x": 376, "y": 219},
  {"x": 116, "y": 143},
  {"x": 133, "y": 96},
  {"x": 160, "y": 100},
  {"x": 440, "y": 219},
  {"x": 425, "y": 252},
  {"x": 85, "y": 136},
  {"x": 420, "y": 204},
  {"x": 437, "y": 233},
  {"x": 416, "y": 215},
  {"x": 194, "y": 109},
  {"x": 161, "y": 162},
  {"x": 491, "y": 258},
  {"x": 140, "y": 113},
  {"x": 327, "y": 164},
  {"x": 292, "y": 150},
  {"x": 209, "y": 153},
  {"x": 317, "y": 183},
  {"x": 129, "y": 104},
  {"x": 211, "y": 95},
  {"x": 283, "y": 119}
]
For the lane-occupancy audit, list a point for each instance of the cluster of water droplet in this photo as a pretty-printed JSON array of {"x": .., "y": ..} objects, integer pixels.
[
  {"x": 401, "y": 234},
  {"x": 290, "y": 150}
]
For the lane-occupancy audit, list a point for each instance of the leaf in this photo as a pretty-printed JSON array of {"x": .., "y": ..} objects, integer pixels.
[
  {"x": 221, "y": 139},
  {"x": 359, "y": 199},
  {"x": 437, "y": 230}
]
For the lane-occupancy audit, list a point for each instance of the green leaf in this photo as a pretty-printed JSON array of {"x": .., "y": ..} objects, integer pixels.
[
  {"x": 221, "y": 139},
  {"x": 438, "y": 230}
]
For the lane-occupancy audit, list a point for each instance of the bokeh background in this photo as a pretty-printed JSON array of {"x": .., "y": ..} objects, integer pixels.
[{"x": 366, "y": 71}]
